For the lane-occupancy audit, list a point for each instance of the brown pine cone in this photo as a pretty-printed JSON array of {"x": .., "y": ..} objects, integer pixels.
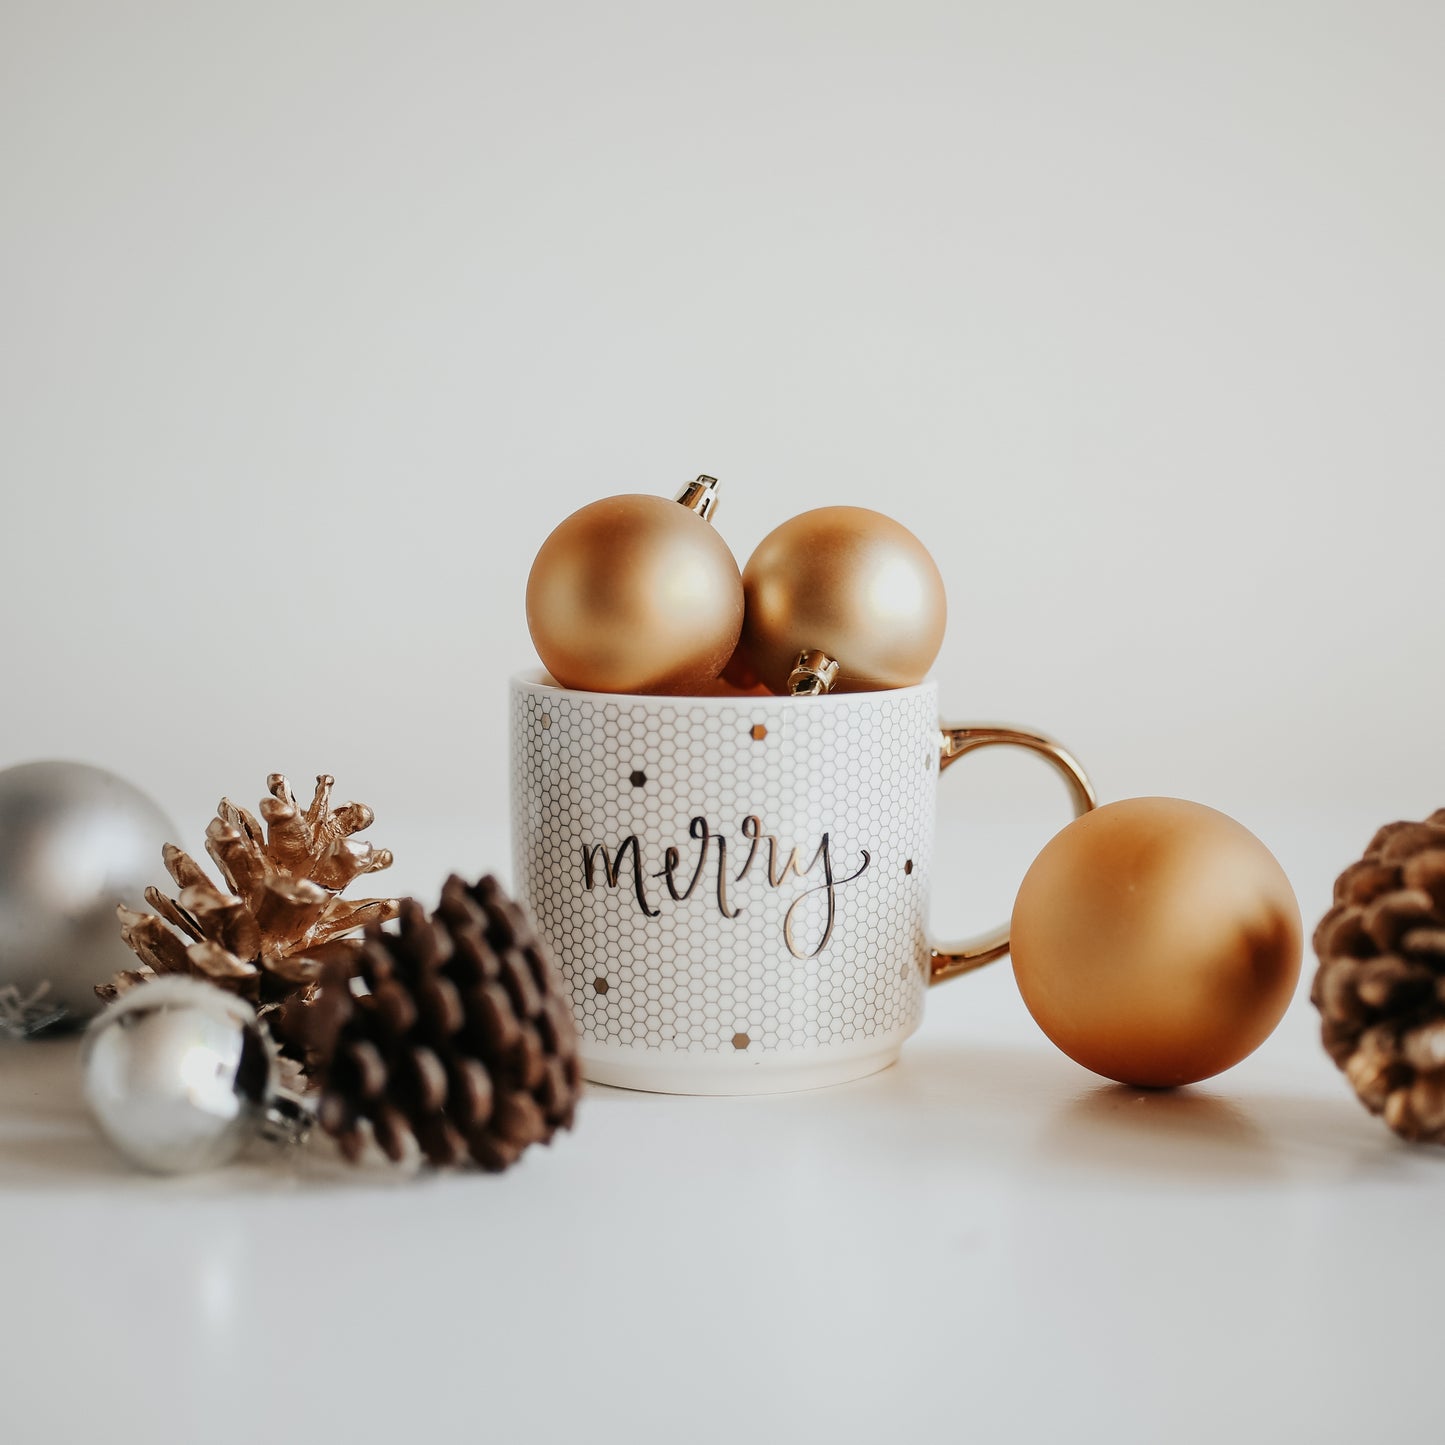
[
  {"x": 263, "y": 939},
  {"x": 1381, "y": 981},
  {"x": 453, "y": 1030}
]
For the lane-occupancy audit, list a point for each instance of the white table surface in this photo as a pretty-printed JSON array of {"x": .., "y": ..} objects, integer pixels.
[{"x": 983, "y": 1243}]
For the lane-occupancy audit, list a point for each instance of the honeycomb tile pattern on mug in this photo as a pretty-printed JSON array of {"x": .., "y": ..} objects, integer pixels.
[{"x": 714, "y": 784}]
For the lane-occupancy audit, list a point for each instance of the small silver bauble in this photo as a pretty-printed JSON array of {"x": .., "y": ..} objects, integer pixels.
[
  {"x": 179, "y": 1075},
  {"x": 74, "y": 841}
]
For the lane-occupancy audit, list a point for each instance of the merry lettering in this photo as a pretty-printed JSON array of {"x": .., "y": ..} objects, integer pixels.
[{"x": 681, "y": 878}]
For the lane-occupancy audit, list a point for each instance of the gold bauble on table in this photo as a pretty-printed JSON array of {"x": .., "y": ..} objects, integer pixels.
[
  {"x": 850, "y": 585},
  {"x": 1156, "y": 941},
  {"x": 636, "y": 594}
]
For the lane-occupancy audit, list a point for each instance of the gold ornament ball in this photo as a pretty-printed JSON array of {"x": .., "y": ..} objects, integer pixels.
[
  {"x": 1156, "y": 941},
  {"x": 852, "y": 583},
  {"x": 635, "y": 594}
]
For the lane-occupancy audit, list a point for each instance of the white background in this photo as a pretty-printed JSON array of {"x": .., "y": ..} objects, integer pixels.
[
  {"x": 315, "y": 318},
  {"x": 983, "y": 1244}
]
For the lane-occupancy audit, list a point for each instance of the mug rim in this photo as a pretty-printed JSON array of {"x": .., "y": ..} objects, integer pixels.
[{"x": 541, "y": 682}]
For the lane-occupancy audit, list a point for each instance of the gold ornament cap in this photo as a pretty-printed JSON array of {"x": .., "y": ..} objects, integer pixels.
[
  {"x": 813, "y": 674},
  {"x": 700, "y": 496}
]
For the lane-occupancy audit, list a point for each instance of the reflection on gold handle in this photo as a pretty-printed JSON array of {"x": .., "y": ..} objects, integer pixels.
[{"x": 964, "y": 957}]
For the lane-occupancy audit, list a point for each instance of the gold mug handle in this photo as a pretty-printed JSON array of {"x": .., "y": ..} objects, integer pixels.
[{"x": 965, "y": 957}]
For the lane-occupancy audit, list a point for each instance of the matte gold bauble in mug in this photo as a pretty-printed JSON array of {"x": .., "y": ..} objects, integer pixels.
[
  {"x": 1156, "y": 941},
  {"x": 849, "y": 583},
  {"x": 635, "y": 594}
]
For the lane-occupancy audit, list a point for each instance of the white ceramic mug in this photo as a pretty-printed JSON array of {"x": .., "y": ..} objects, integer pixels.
[{"x": 735, "y": 887}]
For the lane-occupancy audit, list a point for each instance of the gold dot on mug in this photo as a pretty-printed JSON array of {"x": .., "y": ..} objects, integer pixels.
[
  {"x": 759, "y": 732},
  {"x": 638, "y": 778},
  {"x": 600, "y": 984},
  {"x": 741, "y": 1041},
  {"x": 908, "y": 866},
  {"x": 546, "y": 719}
]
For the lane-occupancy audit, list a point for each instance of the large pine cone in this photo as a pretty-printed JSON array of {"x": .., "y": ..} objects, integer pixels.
[
  {"x": 263, "y": 939},
  {"x": 453, "y": 1031},
  {"x": 1381, "y": 981}
]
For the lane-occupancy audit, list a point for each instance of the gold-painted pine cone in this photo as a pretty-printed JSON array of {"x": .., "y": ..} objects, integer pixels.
[{"x": 281, "y": 912}]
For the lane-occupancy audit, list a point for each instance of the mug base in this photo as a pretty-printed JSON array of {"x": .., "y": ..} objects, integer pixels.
[{"x": 684, "y": 1074}]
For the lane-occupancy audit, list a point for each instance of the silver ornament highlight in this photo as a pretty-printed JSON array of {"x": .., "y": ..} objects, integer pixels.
[
  {"x": 75, "y": 841},
  {"x": 179, "y": 1075}
]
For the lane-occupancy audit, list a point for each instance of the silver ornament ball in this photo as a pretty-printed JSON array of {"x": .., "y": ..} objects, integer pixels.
[
  {"x": 178, "y": 1074},
  {"x": 75, "y": 841}
]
